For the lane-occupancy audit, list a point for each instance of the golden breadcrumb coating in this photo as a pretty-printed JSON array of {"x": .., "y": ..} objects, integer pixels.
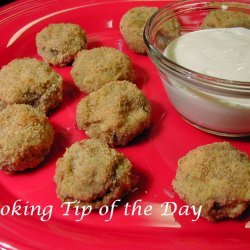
[
  {"x": 94, "y": 68},
  {"x": 59, "y": 43},
  {"x": 93, "y": 174},
  {"x": 217, "y": 177},
  {"x": 132, "y": 26},
  {"x": 26, "y": 137},
  {"x": 29, "y": 81},
  {"x": 116, "y": 113},
  {"x": 226, "y": 19}
]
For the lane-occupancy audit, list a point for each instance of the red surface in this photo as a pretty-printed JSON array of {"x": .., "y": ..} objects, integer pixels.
[{"x": 154, "y": 154}]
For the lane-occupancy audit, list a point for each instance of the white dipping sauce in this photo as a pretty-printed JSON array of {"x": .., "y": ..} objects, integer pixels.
[{"x": 222, "y": 52}]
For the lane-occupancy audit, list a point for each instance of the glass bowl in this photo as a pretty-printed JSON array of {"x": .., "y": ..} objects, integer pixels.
[{"x": 211, "y": 104}]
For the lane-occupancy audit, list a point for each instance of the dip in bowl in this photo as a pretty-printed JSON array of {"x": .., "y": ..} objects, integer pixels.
[{"x": 211, "y": 97}]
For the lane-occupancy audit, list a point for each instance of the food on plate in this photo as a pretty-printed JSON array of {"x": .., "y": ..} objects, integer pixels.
[
  {"x": 59, "y": 43},
  {"x": 226, "y": 19},
  {"x": 116, "y": 113},
  {"x": 92, "y": 173},
  {"x": 132, "y": 25},
  {"x": 94, "y": 68},
  {"x": 133, "y": 22},
  {"x": 217, "y": 177},
  {"x": 29, "y": 81},
  {"x": 26, "y": 137}
]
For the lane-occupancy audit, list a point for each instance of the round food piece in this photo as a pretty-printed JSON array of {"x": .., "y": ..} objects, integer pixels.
[
  {"x": 59, "y": 43},
  {"x": 226, "y": 19},
  {"x": 26, "y": 137},
  {"x": 132, "y": 26},
  {"x": 94, "y": 68},
  {"x": 93, "y": 174},
  {"x": 29, "y": 81},
  {"x": 217, "y": 177},
  {"x": 116, "y": 113}
]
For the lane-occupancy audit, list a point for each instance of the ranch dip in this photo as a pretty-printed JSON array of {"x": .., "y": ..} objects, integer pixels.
[{"x": 220, "y": 52}]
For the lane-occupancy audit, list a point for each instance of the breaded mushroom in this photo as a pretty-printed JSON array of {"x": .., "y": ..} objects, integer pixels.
[
  {"x": 94, "y": 68},
  {"x": 92, "y": 173},
  {"x": 116, "y": 113},
  {"x": 132, "y": 25},
  {"x": 59, "y": 43},
  {"x": 226, "y": 19},
  {"x": 29, "y": 81},
  {"x": 217, "y": 177},
  {"x": 133, "y": 22},
  {"x": 26, "y": 137}
]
